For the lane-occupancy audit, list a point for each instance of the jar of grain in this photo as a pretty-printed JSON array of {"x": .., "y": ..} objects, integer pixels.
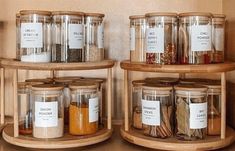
[
  {"x": 67, "y": 36},
  {"x": 161, "y": 38},
  {"x": 18, "y": 36},
  {"x": 35, "y": 39},
  {"x": 195, "y": 38},
  {"x": 48, "y": 111}
]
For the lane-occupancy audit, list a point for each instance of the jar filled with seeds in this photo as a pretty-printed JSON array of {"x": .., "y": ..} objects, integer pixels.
[
  {"x": 94, "y": 37},
  {"x": 161, "y": 38},
  {"x": 35, "y": 39},
  {"x": 191, "y": 112},
  {"x": 195, "y": 38},
  {"x": 18, "y": 36},
  {"x": 67, "y": 36},
  {"x": 157, "y": 111},
  {"x": 137, "y": 38}
]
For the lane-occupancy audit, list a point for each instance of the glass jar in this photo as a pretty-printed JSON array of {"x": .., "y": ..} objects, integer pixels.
[
  {"x": 195, "y": 38},
  {"x": 191, "y": 112},
  {"x": 35, "y": 39},
  {"x": 18, "y": 36},
  {"x": 137, "y": 38},
  {"x": 218, "y": 37},
  {"x": 94, "y": 37},
  {"x": 67, "y": 36},
  {"x": 83, "y": 109},
  {"x": 48, "y": 111},
  {"x": 161, "y": 38},
  {"x": 157, "y": 111}
]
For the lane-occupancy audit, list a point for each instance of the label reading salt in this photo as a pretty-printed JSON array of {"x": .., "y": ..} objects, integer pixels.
[
  {"x": 201, "y": 38},
  {"x": 132, "y": 39},
  {"x": 219, "y": 39},
  {"x": 46, "y": 114},
  {"x": 100, "y": 36},
  {"x": 31, "y": 35},
  {"x": 93, "y": 109},
  {"x": 150, "y": 112},
  {"x": 198, "y": 115},
  {"x": 155, "y": 40},
  {"x": 75, "y": 36}
]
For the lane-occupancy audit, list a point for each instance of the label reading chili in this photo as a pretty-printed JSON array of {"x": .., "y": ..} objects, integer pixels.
[{"x": 155, "y": 40}]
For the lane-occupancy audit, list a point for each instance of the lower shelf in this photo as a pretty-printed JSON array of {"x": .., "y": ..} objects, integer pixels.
[
  {"x": 68, "y": 141},
  {"x": 210, "y": 143}
]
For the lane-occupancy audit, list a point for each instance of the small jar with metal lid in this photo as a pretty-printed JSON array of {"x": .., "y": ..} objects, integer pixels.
[
  {"x": 191, "y": 112},
  {"x": 67, "y": 36},
  {"x": 137, "y": 38},
  {"x": 35, "y": 39},
  {"x": 218, "y": 37},
  {"x": 18, "y": 36},
  {"x": 84, "y": 108},
  {"x": 94, "y": 37},
  {"x": 48, "y": 111},
  {"x": 157, "y": 111},
  {"x": 161, "y": 38},
  {"x": 195, "y": 38}
]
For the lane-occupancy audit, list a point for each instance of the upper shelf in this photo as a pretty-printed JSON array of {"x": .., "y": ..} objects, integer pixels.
[
  {"x": 14, "y": 64},
  {"x": 204, "y": 68}
]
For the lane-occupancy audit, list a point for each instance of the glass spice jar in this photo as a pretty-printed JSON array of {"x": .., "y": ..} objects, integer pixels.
[
  {"x": 83, "y": 109},
  {"x": 191, "y": 112},
  {"x": 48, "y": 111},
  {"x": 218, "y": 37},
  {"x": 157, "y": 111},
  {"x": 67, "y": 36},
  {"x": 137, "y": 38},
  {"x": 18, "y": 36},
  {"x": 35, "y": 39},
  {"x": 94, "y": 37},
  {"x": 161, "y": 38},
  {"x": 195, "y": 38}
]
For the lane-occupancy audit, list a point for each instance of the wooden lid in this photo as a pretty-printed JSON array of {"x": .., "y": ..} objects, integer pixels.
[
  {"x": 212, "y": 84},
  {"x": 94, "y": 15},
  {"x": 39, "y": 12},
  {"x": 193, "y": 80},
  {"x": 162, "y": 80},
  {"x": 47, "y": 87},
  {"x": 169, "y": 14},
  {"x": 22, "y": 85},
  {"x": 48, "y": 80},
  {"x": 219, "y": 16},
  {"x": 190, "y": 87},
  {"x": 137, "y": 17},
  {"x": 66, "y": 79},
  {"x": 83, "y": 85},
  {"x": 157, "y": 87},
  {"x": 206, "y": 14},
  {"x": 17, "y": 15},
  {"x": 96, "y": 80},
  {"x": 138, "y": 82},
  {"x": 68, "y": 13}
]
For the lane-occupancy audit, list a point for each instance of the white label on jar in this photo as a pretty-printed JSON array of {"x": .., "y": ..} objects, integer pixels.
[
  {"x": 150, "y": 112},
  {"x": 132, "y": 38},
  {"x": 100, "y": 36},
  {"x": 46, "y": 114},
  {"x": 93, "y": 109},
  {"x": 219, "y": 39},
  {"x": 198, "y": 115},
  {"x": 75, "y": 36},
  {"x": 201, "y": 38},
  {"x": 155, "y": 40},
  {"x": 31, "y": 35}
]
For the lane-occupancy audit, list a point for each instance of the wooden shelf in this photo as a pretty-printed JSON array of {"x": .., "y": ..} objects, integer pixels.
[
  {"x": 67, "y": 141},
  {"x": 204, "y": 68},
  {"x": 210, "y": 143},
  {"x": 15, "y": 64}
]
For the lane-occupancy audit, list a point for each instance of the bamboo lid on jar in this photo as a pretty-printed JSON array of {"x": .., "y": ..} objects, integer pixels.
[
  {"x": 83, "y": 85},
  {"x": 158, "y": 87},
  {"x": 96, "y": 80},
  {"x": 190, "y": 87},
  {"x": 66, "y": 79},
  {"x": 212, "y": 84},
  {"x": 193, "y": 81},
  {"x": 168, "y": 14},
  {"x": 45, "y": 81},
  {"x": 138, "y": 82},
  {"x": 137, "y": 17},
  {"x": 188, "y": 14},
  {"x": 75, "y": 13},
  {"x": 162, "y": 80},
  {"x": 39, "y": 12},
  {"x": 94, "y": 15},
  {"x": 47, "y": 87},
  {"x": 22, "y": 85},
  {"x": 219, "y": 16}
]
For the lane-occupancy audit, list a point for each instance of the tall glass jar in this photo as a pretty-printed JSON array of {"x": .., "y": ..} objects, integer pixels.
[
  {"x": 195, "y": 38},
  {"x": 67, "y": 36},
  {"x": 191, "y": 112},
  {"x": 218, "y": 37},
  {"x": 18, "y": 36},
  {"x": 83, "y": 109},
  {"x": 35, "y": 39},
  {"x": 157, "y": 111},
  {"x": 94, "y": 37},
  {"x": 161, "y": 38},
  {"x": 137, "y": 38},
  {"x": 48, "y": 111}
]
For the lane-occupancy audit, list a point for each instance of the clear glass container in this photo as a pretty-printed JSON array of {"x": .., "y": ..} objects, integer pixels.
[
  {"x": 83, "y": 109},
  {"x": 137, "y": 38},
  {"x": 18, "y": 36},
  {"x": 191, "y": 112},
  {"x": 67, "y": 36},
  {"x": 195, "y": 38},
  {"x": 157, "y": 111},
  {"x": 94, "y": 37},
  {"x": 35, "y": 39},
  {"x": 48, "y": 111},
  {"x": 161, "y": 38},
  {"x": 218, "y": 37}
]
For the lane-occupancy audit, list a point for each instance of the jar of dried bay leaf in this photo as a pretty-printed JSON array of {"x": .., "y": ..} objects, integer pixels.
[
  {"x": 191, "y": 112},
  {"x": 157, "y": 111}
]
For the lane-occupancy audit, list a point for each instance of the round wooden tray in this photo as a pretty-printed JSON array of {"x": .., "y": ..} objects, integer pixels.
[
  {"x": 68, "y": 141},
  {"x": 203, "y": 68},
  {"x": 14, "y": 64},
  {"x": 210, "y": 143}
]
